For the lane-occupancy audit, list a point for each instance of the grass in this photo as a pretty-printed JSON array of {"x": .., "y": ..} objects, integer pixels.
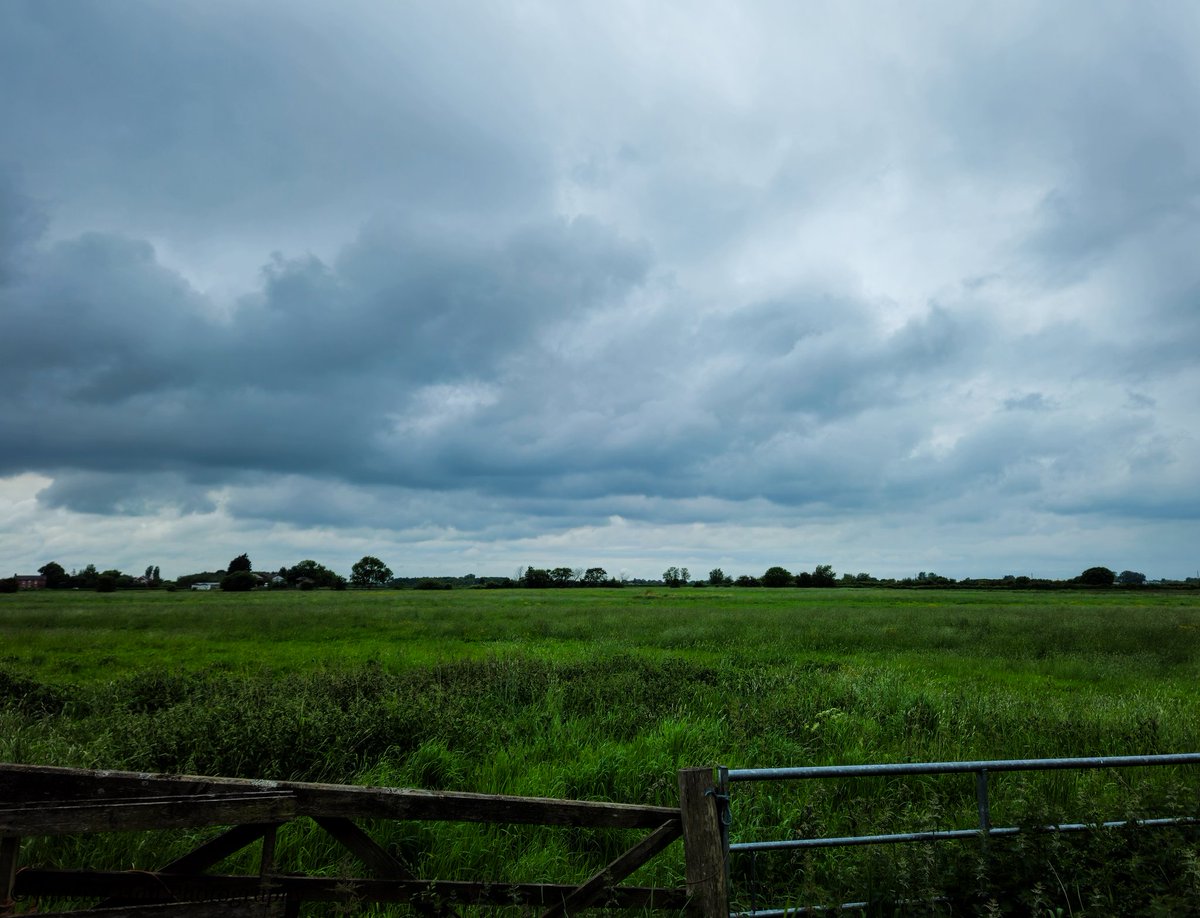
[
  {"x": 605, "y": 694},
  {"x": 1072, "y": 636}
]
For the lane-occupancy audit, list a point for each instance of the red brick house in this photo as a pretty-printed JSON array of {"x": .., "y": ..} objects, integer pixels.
[{"x": 30, "y": 581}]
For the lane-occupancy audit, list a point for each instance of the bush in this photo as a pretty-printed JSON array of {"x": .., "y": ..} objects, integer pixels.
[
  {"x": 239, "y": 582},
  {"x": 432, "y": 585},
  {"x": 106, "y": 583},
  {"x": 26, "y": 696}
]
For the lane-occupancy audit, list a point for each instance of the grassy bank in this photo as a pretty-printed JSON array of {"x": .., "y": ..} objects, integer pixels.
[{"x": 605, "y": 694}]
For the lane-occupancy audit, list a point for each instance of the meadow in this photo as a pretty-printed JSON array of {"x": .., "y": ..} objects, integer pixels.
[{"x": 604, "y": 694}]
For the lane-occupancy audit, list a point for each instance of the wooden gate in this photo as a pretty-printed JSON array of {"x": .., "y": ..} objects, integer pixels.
[{"x": 46, "y": 801}]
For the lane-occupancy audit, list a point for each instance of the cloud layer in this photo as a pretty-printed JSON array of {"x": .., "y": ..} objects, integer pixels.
[{"x": 479, "y": 287}]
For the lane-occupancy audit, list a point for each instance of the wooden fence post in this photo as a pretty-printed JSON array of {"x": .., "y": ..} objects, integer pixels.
[
  {"x": 703, "y": 852},
  {"x": 10, "y": 849}
]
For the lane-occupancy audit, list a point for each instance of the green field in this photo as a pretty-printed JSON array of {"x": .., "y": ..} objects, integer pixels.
[{"x": 605, "y": 694}]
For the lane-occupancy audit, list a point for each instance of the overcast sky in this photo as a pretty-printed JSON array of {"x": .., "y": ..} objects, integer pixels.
[{"x": 469, "y": 286}]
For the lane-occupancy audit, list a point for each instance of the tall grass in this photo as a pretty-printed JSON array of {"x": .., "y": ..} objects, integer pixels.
[{"x": 606, "y": 694}]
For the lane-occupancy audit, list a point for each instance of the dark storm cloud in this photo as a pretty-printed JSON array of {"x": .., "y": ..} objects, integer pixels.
[
  {"x": 537, "y": 270},
  {"x": 97, "y": 319},
  {"x": 181, "y": 115},
  {"x": 424, "y": 307},
  {"x": 118, "y": 359}
]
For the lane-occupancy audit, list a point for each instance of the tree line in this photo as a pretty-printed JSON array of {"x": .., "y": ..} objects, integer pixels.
[
  {"x": 237, "y": 576},
  {"x": 370, "y": 572}
]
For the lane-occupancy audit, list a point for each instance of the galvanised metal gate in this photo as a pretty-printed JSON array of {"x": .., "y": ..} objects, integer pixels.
[{"x": 983, "y": 831}]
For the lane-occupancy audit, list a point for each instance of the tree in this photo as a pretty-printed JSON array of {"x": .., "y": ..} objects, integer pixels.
[
  {"x": 562, "y": 576},
  {"x": 9, "y": 585},
  {"x": 777, "y": 577},
  {"x": 537, "y": 578},
  {"x": 240, "y": 563},
  {"x": 106, "y": 583},
  {"x": 594, "y": 576},
  {"x": 56, "y": 576},
  {"x": 718, "y": 577},
  {"x": 308, "y": 571},
  {"x": 823, "y": 575},
  {"x": 928, "y": 578},
  {"x": 370, "y": 572},
  {"x": 676, "y": 576},
  {"x": 1131, "y": 578},
  {"x": 1097, "y": 576},
  {"x": 86, "y": 578}
]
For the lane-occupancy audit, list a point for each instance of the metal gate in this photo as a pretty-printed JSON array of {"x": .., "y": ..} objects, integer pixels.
[{"x": 983, "y": 831}]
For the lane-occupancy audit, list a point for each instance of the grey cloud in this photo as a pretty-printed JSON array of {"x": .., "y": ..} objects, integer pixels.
[
  {"x": 780, "y": 426},
  {"x": 424, "y": 306},
  {"x": 1032, "y": 401},
  {"x": 126, "y": 494},
  {"x": 96, "y": 318},
  {"x": 1168, "y": 505},
  {"x": 22, "y": 224}
]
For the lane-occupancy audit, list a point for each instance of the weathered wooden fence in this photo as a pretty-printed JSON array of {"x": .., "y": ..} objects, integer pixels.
[{"x": 44, "y": 801}]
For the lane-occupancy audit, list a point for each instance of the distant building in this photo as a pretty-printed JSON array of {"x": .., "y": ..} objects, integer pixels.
[{"x": 30, "y": 581}]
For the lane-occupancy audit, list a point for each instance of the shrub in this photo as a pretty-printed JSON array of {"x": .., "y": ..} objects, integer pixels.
[
  {"x": 432, "y": 585},
  {"x": 106, "y": 583},
  {"x": 29, "y": 697},
  {"x": 239, "y": 582}
]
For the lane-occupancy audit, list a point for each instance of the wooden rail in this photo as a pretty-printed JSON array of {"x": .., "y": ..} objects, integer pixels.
[{"x": 47, "y": 801}]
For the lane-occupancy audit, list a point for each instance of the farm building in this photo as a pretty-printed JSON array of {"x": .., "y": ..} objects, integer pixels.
[{"x": 30, "y": 581}]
